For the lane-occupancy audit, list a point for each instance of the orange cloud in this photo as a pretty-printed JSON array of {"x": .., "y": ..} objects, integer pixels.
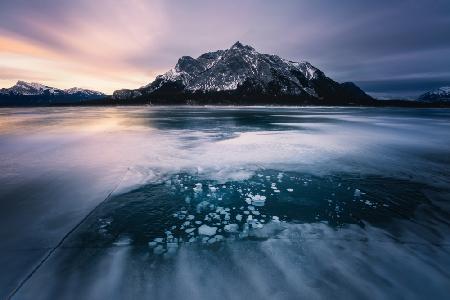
[{"x": 91, "y": 52}]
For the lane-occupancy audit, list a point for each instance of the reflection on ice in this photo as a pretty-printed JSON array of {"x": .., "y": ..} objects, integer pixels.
[{"x": 227, "y": 203}]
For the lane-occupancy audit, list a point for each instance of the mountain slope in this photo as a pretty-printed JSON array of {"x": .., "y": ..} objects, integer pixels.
[
  {"x": 441, "y": 94},
  {"x": 26, "y": 93},
  {"x": 241, "y": 75}
]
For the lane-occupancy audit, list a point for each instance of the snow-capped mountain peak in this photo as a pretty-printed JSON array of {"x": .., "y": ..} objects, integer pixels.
[
  {"x": 226, "y": 70},
  {"x": 239, "y": 46},
  {"x": 31, "y": 92},
  {"x": 441, "y": 94},
  {"x": 241, "y": 69},
  {"x": 76, "y": 90},
  {"x": 32, "y": 88}
]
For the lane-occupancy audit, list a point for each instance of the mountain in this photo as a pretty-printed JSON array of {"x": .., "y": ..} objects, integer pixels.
[
  {"x": 26, "y": 93},
  {"x": 241, "y": 75},
  {"x": 441, "y": 94}
]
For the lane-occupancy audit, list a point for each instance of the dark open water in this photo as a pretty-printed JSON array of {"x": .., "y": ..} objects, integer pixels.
[{"x": 224, "y": 203}]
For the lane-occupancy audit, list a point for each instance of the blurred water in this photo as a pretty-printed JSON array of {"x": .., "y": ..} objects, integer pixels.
[{"x": 230, "y": 203}]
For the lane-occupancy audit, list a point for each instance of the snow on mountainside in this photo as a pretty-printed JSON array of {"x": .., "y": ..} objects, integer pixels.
[
  {"x": 81, "y": 91},
  {"x": 240, "y": 71},
  {"x": 226, "y": 70},
  {"x": 30, "y": 89},
  {"x": 26, "y": 93},
  {"x": 441, "y": 94},
  {"x": 33, "y": 89}
]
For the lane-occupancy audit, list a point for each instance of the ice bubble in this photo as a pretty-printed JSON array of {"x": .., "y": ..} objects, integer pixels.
[
  {"x": 213, "y": 189},
  {"x": 198, "y": 187},
  {"x": 255, "y": 212},
  {"x": 159, "y": 240},
  {"x": 250, "y": 207},
  {"x": 368, "y": 202},
  {"x": 189, "y": 230},
  {"x": 207, "y": 230},
  {"x": 212, "y": 240},
  {"x": 258, "y": 200},
  {"x": 192, "y": 239},
  {"x": 258, "y": 203},
  {"x": 246, "y": 212},
  {"x": 249, "y": 219},
  {"x": 198, "y": 222},
  {"x": 239, "y": 218},
  {"x": 248, "y": 200},
  {"x": 231, "y": 228},
  {"x": 276, "y": 191},
  {"x": 357, "y": 193},
  {"x": 191, "y": 217},
  {"x": 275, "y": 219},
  {"x": 290, "y": 190}
]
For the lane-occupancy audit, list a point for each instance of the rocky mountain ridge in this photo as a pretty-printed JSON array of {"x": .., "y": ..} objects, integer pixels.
[
  {"x": 32, "y": 93},
  {"x": 239, "y": 75}
]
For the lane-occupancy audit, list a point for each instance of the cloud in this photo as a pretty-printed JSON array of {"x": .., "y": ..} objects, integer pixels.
[{"x": 112, "y": 44}]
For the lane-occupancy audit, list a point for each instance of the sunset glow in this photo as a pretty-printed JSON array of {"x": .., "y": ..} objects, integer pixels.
[{"x": 107, "y": 45}]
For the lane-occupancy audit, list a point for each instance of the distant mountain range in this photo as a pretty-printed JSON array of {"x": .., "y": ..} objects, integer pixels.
[
  {"x": 236, "y": 76},
  {"x": 26, "y": 93},
  {"x": 441, "y": 94},
  {"x": 241, "y": 75}
]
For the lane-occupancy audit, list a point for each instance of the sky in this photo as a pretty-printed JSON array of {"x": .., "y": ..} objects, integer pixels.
[{"x": 390, "y": 48}]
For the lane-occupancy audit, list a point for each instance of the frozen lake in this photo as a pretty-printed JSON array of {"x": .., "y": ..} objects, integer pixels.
[{"x": 224, "y": 203}]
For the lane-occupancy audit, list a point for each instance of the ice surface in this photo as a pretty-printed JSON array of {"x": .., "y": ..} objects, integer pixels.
[
  {"x": 123, "y": 241},
  {"x": 53, "y": 154}
]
